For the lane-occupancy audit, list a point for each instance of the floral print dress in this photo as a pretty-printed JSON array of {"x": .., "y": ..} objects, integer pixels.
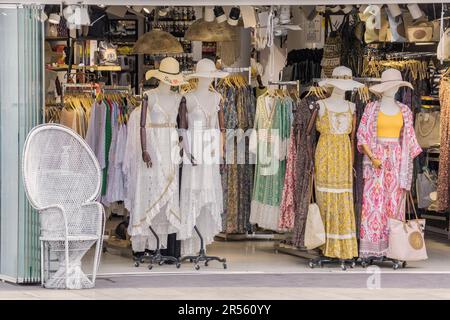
[{"x": 334, "y": 183}]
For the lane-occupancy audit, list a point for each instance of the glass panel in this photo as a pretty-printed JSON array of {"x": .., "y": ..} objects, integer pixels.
[{"x": 21, "y": 104}]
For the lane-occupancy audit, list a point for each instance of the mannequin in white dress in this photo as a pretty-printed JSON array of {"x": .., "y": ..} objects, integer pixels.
[
  {"x": 152, "y": 163},
  {"x": 201, "y": 187}
]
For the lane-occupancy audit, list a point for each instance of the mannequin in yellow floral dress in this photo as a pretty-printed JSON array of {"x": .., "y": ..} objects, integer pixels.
[{"x": 334, "y": 171}]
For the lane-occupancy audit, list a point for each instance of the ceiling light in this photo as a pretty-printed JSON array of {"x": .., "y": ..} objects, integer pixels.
[
  {"x": 220, "y": 14},
  {"x": 54, "y": 18},
  {"x": 163, "y": 11},
  {"x": 233, "y": 18}
]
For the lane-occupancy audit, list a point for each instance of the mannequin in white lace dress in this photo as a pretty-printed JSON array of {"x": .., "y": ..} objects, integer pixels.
[
  {"x": 201, "y": 188},
  {"x": 152, "y": 166}
]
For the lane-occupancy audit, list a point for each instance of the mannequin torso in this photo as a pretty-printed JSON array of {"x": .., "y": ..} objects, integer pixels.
[
  {"x": 166, "y": 97},
  {"x": 203, "y": 96},
  {"x": 336, "y": 103}
]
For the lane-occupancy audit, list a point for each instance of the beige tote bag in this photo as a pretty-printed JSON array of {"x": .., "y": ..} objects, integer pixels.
[
  {"x": 427, "y": 128},
  {"x": 406, "y": 238},
  {"x": 314, "y": 229}
]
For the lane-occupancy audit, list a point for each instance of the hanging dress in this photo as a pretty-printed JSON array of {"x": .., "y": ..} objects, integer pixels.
[
  {"x": 152, "y": 193},
  {"x": 201, "y": 199},
  {"x": 272, "y": 128},
  {"x": 334, "y": 184}
]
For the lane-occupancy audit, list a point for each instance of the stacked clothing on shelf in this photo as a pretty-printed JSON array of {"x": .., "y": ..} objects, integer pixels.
[{"x": 237, "y": 173}]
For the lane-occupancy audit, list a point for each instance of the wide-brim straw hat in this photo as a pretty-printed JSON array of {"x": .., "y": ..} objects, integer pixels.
[
  {"x": 157, "y": 42},
  {"x": 202, "y": 30},
  {"x": 168, "y": 72},
  {"x": 390, "y": 78},
  {"x": 341, "y": 78},
  {"x": 206, "y": 68}
]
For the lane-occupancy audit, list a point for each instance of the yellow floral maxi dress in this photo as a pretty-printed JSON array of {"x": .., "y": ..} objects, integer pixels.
[{"x": 334, "y": 185}]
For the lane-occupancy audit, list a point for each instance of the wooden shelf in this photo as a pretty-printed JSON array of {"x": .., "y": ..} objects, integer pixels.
[
  {"x": 88, "y": 68},
  {"x": 56, "y": 38}
]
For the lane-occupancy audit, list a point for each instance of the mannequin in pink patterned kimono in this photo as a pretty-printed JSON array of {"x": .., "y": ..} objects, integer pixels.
[{"x": 387, "y": 166}]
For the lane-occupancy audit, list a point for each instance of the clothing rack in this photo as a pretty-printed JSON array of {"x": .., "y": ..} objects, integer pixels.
[
  {"x": 239, "y": 70},
  {"x": 286, "y": 83},
  {"x": 78, "y": 87},
  {"x": 114, "y": 88},
  {"x": 409, "y": 55},
  {"x": 358, "y": 79}
]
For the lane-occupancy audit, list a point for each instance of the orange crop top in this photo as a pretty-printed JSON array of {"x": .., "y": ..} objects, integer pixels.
[{"x": 389, "y": 126}]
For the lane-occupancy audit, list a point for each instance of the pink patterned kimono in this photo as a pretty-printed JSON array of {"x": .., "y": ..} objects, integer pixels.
[{"x": 384, "y": 187}]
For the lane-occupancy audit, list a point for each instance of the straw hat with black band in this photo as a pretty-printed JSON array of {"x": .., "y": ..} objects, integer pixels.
[
  {"x": 341, "y": 78},
  {"x": 168, "y": 72}
]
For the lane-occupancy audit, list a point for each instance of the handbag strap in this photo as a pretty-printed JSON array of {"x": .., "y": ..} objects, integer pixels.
[
  {"x": 312, "y": 186},
  {"x": 421, "y": 130},
  {"x": 410, "y": 205}
]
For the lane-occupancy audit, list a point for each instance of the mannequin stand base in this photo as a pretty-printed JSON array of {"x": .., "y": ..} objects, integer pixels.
[
  {"x": 202, "y": 257},
  {"x": 344, "y": 263},
  {"x": 156, "y": 257},
  {"x": 396, "y": 264}
]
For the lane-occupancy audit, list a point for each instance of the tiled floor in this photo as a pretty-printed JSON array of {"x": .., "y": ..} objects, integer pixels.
[
  {"x": 255, "y": 271},
  {"x": 260, "y": 257}
]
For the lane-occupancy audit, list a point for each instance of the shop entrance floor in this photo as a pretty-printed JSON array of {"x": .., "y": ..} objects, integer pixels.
[{"x": 259, "y": 257}]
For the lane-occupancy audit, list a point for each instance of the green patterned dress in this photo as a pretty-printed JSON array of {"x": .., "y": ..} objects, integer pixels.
[{"x": 272, "y": 130}]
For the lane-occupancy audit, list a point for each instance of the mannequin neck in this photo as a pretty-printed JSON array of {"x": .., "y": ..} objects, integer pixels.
[
  {"x": 203, "y": 84},
  {"x": 164, "y": 88},
  {"x": 337, "y": 94},
  {"x": 388, "y": 103}
]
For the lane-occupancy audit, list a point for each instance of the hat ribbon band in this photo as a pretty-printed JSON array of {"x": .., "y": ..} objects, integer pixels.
[{"x": 171, "y": 73}]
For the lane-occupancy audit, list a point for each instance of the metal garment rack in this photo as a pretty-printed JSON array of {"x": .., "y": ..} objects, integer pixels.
[
  {"x": 80, "y": 87},
  {"x": 286, "y": 83},
  {"x": 120, "y": 89},
  {"x": 240, "y": 70}
]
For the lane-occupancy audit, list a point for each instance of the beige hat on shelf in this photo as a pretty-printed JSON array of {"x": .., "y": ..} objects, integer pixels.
[
  {"x": 206, "y": 68},
  {"x": 168, "y": 72},
  {"x": 341, "y": 78},
  {"x": 390, "y": 79}
]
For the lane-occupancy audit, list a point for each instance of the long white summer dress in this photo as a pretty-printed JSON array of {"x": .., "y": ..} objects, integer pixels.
[
  {"x": 201, "y": 187},
  {"x": 152, "y": 193}
]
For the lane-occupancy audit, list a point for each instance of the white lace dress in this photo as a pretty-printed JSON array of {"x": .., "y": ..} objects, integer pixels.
[
  {"x": 152, "y": 193},
  {"x": 201, "y": 188}
]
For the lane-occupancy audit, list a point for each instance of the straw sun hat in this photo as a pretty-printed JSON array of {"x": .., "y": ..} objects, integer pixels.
[
  {"x": 206, "y": 68},
  {"x": 390, "y": 79},
  {"x": 168, "y": 72},
  {"x": 341, "y": 78}
]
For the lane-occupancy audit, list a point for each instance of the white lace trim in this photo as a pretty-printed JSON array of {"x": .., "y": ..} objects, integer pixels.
[
  {"x": 332, "y": 190},
  {"x": 266, "y": 216},
  {"x": 341, "y": 236}
]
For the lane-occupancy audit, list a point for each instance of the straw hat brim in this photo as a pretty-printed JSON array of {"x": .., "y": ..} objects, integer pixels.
[
  {"x": 202, "y": 30},
  {"x": 174, "y": 80},
  {"x": 385, "y": 86},
  {"x": 157, "y": 42},
  {"x": 212, "y": 74},
  {"x": 343, "y": 84}
]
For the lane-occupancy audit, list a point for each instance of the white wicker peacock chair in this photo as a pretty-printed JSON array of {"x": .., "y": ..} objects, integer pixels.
[{"x": 62, "y": 179}]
